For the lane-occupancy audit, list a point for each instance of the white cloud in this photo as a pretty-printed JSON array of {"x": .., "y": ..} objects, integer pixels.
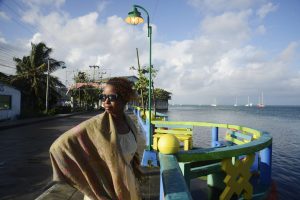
[
  {"x": 204, "y": 68},
  {"x": 213, "y": 64},
  {"x": 229, "y": 26},
  {"x": 35, "y": 39},
  {"x": 261, "y": 29},
  {"x": 218, "y": 62},
  {"x": 84, "y": 41},
  {"x": 102, "y": 5},
  {"x": 74, "y": 56},
  {"x": 266, "y": 9},
  {"x": 224, "y": 5},
  {"x": 36, "y": 8},
  {"x": 31, "y": 16},
  {"x": 2, "y": 40},
  {"x": 4, "y": 16},
  {"x": 35, "y": 3},
  {"x": 289, "y": 52},
  {"x": 295, "y": 81}
]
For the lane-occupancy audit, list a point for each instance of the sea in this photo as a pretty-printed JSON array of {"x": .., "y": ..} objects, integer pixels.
[{"x": 282, "y": 122}]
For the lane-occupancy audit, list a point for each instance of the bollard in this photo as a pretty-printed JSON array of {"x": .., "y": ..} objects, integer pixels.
[
  {"x": 214, "y": 136},
  {"x": 161, "y": 188},
  {"x": 265, "y": 165}
]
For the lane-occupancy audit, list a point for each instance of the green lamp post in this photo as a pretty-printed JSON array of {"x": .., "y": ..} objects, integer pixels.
[{"x": 134, "y": 17}]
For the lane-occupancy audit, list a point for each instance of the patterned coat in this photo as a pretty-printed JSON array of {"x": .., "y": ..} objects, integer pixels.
[{"x": 89, "y": 158}]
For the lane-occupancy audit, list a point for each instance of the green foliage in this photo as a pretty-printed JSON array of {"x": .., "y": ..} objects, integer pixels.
[
  {"x": 31, "y": 78},
  {"x": 153, "y": 72},
  {"x": 5, "y": 78},
  {"x": 29, "y": 113},
  {"x": 86, "y": 96},
  {"x": 81, "y": 77},
  {"x": 162, "y": 94},
  {"x": 60, "y": 110},
  {"x": 141, "y": 86}
]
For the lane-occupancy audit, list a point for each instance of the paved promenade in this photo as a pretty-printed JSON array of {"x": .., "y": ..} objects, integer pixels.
[{"x": 25, "y": 167}]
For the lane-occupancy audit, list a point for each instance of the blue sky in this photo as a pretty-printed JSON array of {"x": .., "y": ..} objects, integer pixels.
[{"x": 203, "y": 49}]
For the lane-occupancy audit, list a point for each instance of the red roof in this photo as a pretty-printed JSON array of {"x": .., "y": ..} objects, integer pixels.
[{"x": 79, "y": 85}]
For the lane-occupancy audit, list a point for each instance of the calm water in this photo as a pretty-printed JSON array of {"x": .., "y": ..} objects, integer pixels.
[{"x": 282, "y": 122}]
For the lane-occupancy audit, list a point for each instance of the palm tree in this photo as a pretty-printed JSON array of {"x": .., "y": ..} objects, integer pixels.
[
  {"x": 141, "y": 86},
  {"x": 143, "y": 83},
  {"x": 31, "y": 77},
  {"x": 5, "y": 78}
]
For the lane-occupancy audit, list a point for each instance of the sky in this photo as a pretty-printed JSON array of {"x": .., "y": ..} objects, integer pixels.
[{"x": 204, "y": 50}]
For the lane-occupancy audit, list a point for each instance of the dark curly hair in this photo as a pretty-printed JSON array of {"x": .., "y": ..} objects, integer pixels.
[{"x": 123, "y": 87}]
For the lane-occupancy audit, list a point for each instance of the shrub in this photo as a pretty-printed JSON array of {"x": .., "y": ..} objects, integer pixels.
[{"x": 60, "y": 110}]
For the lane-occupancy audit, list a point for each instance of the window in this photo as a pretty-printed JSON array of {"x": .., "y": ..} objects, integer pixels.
[{"x": 5, "y": 102}]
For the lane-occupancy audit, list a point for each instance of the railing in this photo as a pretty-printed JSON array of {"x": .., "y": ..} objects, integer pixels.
[
  {"x": 220, "y": 163},
  {"x": 144, "y": 122}
]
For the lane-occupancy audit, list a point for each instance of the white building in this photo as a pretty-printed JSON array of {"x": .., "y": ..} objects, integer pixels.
[{"x": 10, "y": 102}]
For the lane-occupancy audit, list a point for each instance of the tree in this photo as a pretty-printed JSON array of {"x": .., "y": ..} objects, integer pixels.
[
  {"x": 142, "y": 84},
  {"x": 31, "y": 77},
  {"x": 81, "y": 77},
  {"x": 87, "y": 93},
  {"x": 5, "y": 78},
  {"x": 162, "y": 94}
]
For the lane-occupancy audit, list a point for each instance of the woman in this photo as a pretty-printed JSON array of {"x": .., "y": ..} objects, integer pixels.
[{"x": 100, "y": 157}]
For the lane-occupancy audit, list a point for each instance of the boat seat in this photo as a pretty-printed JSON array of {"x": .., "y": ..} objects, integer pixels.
[
  {"x": 234, "y": 137},
  {"x": 183, "y": 135}
]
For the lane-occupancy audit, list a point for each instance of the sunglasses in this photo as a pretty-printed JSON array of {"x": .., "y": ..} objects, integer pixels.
[{"x": 110, "y": 97}]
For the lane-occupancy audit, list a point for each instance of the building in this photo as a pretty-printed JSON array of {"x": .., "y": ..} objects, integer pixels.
[
  {"x": 10, "y": 102},
  {"x": 162, "y": 104},
  {"x": 65, "y": 97},
  {"x": 162, "y": 99},
  {"x": 80, "y": 88}
]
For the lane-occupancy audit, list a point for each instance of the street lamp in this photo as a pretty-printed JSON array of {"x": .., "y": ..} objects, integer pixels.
[
  {"x": 134, "y": 17},
  {"x": 47, "y": 86}
]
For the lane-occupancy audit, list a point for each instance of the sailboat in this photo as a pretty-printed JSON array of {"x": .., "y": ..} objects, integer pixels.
[
  {"x": 215, "y": 103},
  {"x": 248, "y": 104},
  {"x": 235, "y": 105},
  {"x": 261, "y": 103}
]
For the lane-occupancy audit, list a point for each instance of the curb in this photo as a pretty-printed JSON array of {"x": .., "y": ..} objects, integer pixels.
[{"x": 18, "y": 123}]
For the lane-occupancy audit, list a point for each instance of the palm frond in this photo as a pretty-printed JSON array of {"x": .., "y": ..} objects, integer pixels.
[{"x": 31, "y": 77}]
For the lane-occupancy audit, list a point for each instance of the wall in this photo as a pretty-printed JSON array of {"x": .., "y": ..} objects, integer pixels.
[
  {"x": 15, "y": 110},
  {"x": 162, "y": 105}
]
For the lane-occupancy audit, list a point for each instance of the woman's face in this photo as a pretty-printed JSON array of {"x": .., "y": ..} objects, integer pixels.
[{"x": 115, "y": 107}]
